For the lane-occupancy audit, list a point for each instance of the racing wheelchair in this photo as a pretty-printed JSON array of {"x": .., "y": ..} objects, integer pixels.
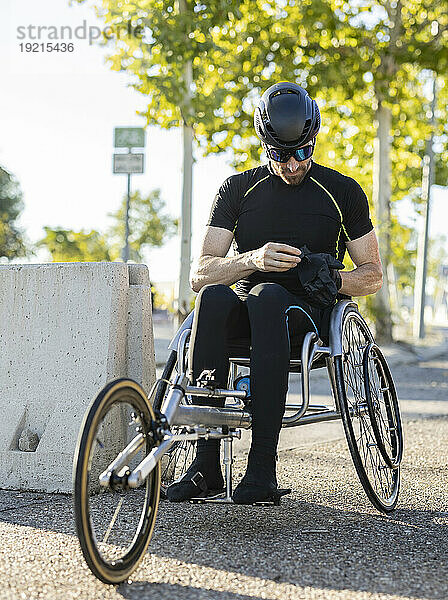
[{"x": 131, "y": 445}]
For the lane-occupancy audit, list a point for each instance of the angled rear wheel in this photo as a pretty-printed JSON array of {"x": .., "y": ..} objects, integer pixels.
[{"x": 380, "y": 481}]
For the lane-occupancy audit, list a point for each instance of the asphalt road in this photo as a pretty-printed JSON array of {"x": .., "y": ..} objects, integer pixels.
[{"x": 325, "y": 540}]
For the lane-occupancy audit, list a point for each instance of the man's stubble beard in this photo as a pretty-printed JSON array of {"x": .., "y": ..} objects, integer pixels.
[{"x": 287, "y": 176}]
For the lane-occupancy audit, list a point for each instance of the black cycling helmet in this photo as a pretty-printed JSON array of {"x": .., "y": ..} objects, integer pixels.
[{"x": 286, "y": 116}]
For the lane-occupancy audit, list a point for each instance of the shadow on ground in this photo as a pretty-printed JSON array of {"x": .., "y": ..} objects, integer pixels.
[{"x": 325, "y": 536}]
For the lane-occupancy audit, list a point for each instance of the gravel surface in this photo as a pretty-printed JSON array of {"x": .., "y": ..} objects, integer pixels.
[{"x": 324, "y": 541}]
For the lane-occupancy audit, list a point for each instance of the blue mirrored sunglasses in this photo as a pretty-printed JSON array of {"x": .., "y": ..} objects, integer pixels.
[{"x": 284, "y": 155}]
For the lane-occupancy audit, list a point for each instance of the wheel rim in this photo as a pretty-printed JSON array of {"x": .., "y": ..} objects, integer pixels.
[
  {"x": 115, "y": 515},
  {"x": 116, "y": 524},
  {"x": 383, "y": 406},
  {"x": 381, "y": 480}
]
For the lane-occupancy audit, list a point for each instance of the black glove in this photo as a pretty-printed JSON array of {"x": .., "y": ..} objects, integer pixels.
[{"x": 320, "y": 278}]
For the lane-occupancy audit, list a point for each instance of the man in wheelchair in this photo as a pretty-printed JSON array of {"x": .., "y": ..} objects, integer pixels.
[{"x": 290, "y": 222}]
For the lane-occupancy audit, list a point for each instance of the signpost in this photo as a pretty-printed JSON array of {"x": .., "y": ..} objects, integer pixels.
[
  {"x": 128, "y": 137},
  {"x": 128, "y": 163}
]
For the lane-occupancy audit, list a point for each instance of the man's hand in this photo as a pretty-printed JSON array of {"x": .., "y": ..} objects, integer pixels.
[
  {"x": 275, "y": 257},
  {"x": 319, "y": 276}
]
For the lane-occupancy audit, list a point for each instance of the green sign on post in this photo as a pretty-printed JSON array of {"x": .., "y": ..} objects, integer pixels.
[
  {"x": 129, "y": 137},
  {"x": 128, "y": 163}
]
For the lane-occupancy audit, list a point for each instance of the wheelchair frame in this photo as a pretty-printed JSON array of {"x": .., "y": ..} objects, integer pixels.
[
  {"x": 364, "y": 410},
  {"x": 207, "y": 420},
  {"x": 235, "y": 417},
  {"x": 159, "y": 428},
  {"x": 312, "y": 349},
  {"x": 224, "y": 423}
]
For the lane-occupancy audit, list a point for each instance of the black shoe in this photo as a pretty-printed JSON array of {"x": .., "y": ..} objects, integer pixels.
[
  {"x": 259, "y": 484},
  {"x": 196, "y": 483},
  {"x": 248, "y": 493}
]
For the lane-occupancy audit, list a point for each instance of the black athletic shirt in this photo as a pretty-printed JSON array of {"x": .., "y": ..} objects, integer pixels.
[{"x": 324, "y": 211}]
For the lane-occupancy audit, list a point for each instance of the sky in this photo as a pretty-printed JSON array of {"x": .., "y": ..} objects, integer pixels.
[{"x": 57, "y": 115}]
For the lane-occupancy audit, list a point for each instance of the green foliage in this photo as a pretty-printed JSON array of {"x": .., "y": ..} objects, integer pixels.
[
  {"x": 12, "y": 243},
  {"x": 351, "y": 56},
  {"x": 148, "y": 226},
  {"x": 403, "y": 255},
  {"x": 66, "y": 245},
  {"x": 441, "y": 134}
]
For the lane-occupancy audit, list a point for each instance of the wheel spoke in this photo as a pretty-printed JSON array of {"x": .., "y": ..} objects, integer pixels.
[{"x": 114, "y": 518}]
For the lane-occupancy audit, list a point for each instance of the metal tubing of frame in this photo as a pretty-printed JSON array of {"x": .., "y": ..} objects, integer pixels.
[
  {"x": 306, "y": 357},
  {"x": 210, "y": 416},
  {"x": 228, "y": 460},
  {"x": 245, "y": 362},
  {"x": 336, "y": 325},
  {"x": 181, "y": 349},
  {"x": 122, "y": 459},
  {"x": 186, "y": 326},
  {"x": 141, "y": 472},
  {"x": 204, "y": 432},
  {"x": 332, "y": 377},
  {"x": 217, "y": 393},
  {"x": 311, "y": 407},
  {"x": 174, "y": 398},
  {"x": 327, "y": 415}
]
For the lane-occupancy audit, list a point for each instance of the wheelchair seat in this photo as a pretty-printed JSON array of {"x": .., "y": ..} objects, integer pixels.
[{"x": 240, "y": 356}]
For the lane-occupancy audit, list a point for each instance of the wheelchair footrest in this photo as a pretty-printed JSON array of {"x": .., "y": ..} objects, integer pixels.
[
  {"x": 220, "y": 498},
  {"x": 274, "y": 500}
]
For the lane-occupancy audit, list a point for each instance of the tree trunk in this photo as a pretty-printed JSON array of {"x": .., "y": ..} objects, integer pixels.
[
  {"x": 184, "y": 292},
  {"x": 381, "y": 200},
  {"x": 423, "y": 240}
]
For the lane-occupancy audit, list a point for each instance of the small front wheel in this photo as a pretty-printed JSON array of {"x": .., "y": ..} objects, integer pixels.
[{"x": 114, "y": 522}]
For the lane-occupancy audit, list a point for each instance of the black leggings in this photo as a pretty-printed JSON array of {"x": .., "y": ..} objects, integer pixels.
[{"x": 270, "y": 324}]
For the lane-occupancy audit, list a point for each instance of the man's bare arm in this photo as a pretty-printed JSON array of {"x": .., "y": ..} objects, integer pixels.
[
  {"x": 215, "y": 267},
  {"x": 367, "y": 278}
]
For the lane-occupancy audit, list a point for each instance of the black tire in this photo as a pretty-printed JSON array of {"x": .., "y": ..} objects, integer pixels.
[
  {"x": 382, "y": 403},
  {"x": 105, "y": 543},
  {"x": 181, "y": 454},
  {"x": 166, "y": 376},
  {"x": 380, "y": 482}
]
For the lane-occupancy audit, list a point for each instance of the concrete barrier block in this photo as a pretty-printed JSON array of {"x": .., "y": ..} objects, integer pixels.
[
  {"x": 140, "y": 341},
  {"x": 65, "y": 330}
]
